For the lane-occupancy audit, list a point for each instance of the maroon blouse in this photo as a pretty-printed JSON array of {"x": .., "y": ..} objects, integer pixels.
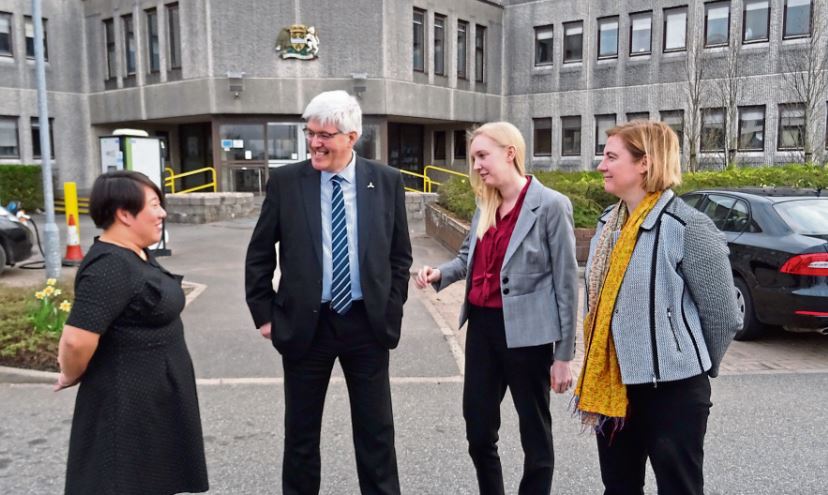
[{"x": 488, "y": 257}]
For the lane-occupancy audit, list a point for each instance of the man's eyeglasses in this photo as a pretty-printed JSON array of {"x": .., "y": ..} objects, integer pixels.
[{"x": 323, "y": 136}]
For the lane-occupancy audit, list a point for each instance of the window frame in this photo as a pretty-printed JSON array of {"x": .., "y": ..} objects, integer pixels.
[
  {"x": 566, "y": 37},
  {"x": 442, "y": 57},
  {"x": 36, "y": 120},
  {"x": 110, "y": 57},
  {"x": 766, "y": 39},
  {"x": 418, "y": 67},
  {"x": 650, "y": 37},
  {"x": 617, "y": 36},
  {"x": 455, "y": 149},
  {"x": 663, "y": 114},
  {"x": 706, "y": 23},
  {"x": 125, "y": 33},
  {"x": 16, "y": 120},
  {"x": 173, "y": 42},
  {"x": 779, "y": 128},
  {"x": 463, "y": 65},
  {"x": 11, "y": 34},
  {"x": 147, "y": 13},
  {"x": 630, "y": 116},
  {"x": 598, "y": 118},
  {"x": 576, "y": 150},
  {"x": 535, "y": 140},
  {"x": 28, "y": 18},
  {"x": 665, "y": 14},
  {"x": 785, "y": 22},
  {"x": 719, "y": 149},
  {"x": 550, "y": 28},
  {"x": 743, "y": 109},
  {"x": 434, "y": 147},
  {"x": 480, "y": 68}
]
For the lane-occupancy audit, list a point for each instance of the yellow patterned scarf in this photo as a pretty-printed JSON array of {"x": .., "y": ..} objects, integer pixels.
[{"x": 600, "y": 394}]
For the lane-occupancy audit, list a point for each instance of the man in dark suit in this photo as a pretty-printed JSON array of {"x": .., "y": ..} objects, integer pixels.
[{"x": 340, "y": 224}]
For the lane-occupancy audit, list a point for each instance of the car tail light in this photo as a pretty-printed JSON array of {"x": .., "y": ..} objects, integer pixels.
[
  {"x": 821, "y": 314},
  {"x": 807, "y": 264}
]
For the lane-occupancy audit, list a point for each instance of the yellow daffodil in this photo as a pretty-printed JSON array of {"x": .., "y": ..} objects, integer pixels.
[
  {"x": 39, "y": 294},
  {"x": 58, "y": 292},
  {"x": 51, "y": 281},
  {"x": 65, "y": 306},
  {"x": 49, "y": 290}
]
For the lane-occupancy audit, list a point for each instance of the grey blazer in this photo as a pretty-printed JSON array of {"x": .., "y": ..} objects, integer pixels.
[{"x": 539, "y": 280}]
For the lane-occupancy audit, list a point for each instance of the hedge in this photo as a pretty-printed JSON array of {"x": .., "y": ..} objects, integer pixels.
[
  {"x": 586, "y": 189},
  {"x": 21, "y": 183}
]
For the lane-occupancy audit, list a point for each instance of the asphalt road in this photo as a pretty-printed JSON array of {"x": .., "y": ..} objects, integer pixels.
[{"x": 766, "y": 433}]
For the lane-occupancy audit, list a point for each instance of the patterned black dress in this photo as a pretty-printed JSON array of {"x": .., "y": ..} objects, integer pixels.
[{"x": 136, "y": 427}]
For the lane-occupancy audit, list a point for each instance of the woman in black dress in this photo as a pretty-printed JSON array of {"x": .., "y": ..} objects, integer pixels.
[{"x": 136, "y": 427}]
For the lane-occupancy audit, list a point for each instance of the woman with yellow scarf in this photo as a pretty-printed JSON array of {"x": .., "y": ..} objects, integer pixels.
[{"x": 661, "y": 311}]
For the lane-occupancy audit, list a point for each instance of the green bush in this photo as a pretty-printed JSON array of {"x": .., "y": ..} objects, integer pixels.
[
  {"x": 21, "y": 183},
  {"x": 586, "y": 189}
]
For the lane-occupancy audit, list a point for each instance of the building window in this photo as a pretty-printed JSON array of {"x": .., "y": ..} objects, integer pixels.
[
  {"x": 8, "y": 138},
  {"x": 756, "y": 21},
  {"x": 109, "y": 40},
  {"x": 573, "y": 41},
  {"x": 419, "y": 40},
  {"x": 571, "y": 135},
  {"x": 713, "y": 129},
  {"x": 791, "y": 127},
  {"x": 543, "y": 45},
  {"x": 29, "y": 31},
  {"x": 752, "y": 128},
  {"x": 542, "y": 137},
  {"x": 36, "y": 153},
  {"x": 6, "y": 34},
  {"x": 462, "y": 49},
  {"x": 641, "y": 33},
  {"x": 675, "y": 29},
  {"x": 252, "y": 137},
  {"x": 479, "y": 53},
  {"x": 153, "y": 48},
  {"x": 460, "y": 144},
  {"x": 368, "y": 144},
  {"x": 439, "y": 145},
  {"x": 608, "y": 37},
  {"x": 716, "y": 24},
  {"x": 675, "y": 119},
  {"x": 603, "y": 123},
  {"x": 129, "y": 44},
  {"x": 638, "y": 116},
  {"x": 797, "y": 19},
  {"x": 173, "y": 37},
  {"x": 439, "y": 45}
]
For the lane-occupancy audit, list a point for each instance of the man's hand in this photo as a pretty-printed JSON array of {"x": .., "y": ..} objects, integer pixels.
[
  {"x": 427, "y": 275},
  {"x": 265, "y": 330},
  {"x": 64, "y": 382},
  {"x": 560, "y": 376}
]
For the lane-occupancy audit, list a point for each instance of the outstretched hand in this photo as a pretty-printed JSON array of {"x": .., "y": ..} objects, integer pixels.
[{"x": 427, "y": 276}]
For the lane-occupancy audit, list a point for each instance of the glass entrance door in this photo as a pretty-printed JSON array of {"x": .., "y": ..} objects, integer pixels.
[{"x": 285, "y": 144}]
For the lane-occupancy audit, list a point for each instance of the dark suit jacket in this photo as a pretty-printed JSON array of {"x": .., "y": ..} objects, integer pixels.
[{"x": 291, "y": 217}]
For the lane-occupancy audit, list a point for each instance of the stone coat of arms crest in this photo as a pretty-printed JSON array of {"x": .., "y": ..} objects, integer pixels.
[{"x": 298, "y": 41}]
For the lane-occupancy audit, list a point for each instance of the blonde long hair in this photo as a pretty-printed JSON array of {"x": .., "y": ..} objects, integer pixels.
[{"x": 489, "y": 198}]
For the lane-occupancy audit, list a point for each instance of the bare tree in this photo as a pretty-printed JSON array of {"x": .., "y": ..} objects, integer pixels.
[
  {"x": 728, "y": 90},
  {"x": 694, "y": 88},
  {"x": 806, "y": 78}
]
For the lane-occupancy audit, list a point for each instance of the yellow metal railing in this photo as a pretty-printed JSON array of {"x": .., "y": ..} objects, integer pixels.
[
  {"x": 169, "y": 180},
  {"x": 428, "y": 180},
  {"x": 423, "y": 177}
]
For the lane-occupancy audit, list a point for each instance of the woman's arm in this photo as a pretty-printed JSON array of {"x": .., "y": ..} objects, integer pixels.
[
  {"x": 74, "y": 352},
  {"x": 457, "y": 268},
  {"x": 560, "y": 233}
]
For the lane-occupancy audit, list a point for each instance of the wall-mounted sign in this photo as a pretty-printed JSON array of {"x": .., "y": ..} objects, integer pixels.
[{"x": 298, "y": 41}]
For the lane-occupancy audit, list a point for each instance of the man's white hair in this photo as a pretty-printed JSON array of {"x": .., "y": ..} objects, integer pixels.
[{"x": 337, "y": 108}]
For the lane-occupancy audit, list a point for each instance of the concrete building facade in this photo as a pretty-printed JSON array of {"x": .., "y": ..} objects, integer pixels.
[{"x": 206, "y": 77}]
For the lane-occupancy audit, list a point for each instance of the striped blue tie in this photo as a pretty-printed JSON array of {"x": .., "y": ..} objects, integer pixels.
[{"x": 341, "y": 273}]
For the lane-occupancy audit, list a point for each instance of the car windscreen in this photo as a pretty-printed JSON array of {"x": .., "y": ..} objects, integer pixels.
[{"x": 805, "y": 216}]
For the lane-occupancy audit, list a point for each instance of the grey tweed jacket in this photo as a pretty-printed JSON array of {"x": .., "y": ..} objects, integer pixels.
[
  {"x": 676, "y": 312},
  {"x": 539, "y": 276}
]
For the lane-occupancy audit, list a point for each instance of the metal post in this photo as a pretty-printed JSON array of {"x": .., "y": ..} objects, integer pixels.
[{"x": 51, "y": 234}]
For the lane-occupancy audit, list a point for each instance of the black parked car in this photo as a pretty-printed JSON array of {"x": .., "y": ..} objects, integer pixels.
[
  {"x": 778, "y": 243},
  {"x": 15, "y": 240}
]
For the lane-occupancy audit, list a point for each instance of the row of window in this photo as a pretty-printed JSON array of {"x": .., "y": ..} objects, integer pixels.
[
  {"x": 153, "y": 46},
  {"x": 750, "y": 133},
  {"x": 441, "y": 47},
  {"x": 7, "y": 31},
  {"x": 10, "y": 137},
  {"x": 755, "y": 29}
]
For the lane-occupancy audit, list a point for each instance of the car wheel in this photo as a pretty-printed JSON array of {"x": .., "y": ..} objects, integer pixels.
[
  {"x": 3, "y": 258},
  {"x": 752, "y": 328}
]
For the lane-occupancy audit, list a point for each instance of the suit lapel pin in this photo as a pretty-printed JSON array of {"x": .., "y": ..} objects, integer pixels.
[{"x": 370, "y": 185}]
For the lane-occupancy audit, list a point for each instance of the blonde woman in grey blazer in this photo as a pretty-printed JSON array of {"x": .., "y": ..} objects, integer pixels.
[{"x": 518, "y": 263}]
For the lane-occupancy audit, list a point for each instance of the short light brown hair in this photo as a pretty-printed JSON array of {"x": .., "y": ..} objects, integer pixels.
[{"x": 659, "y": 143}]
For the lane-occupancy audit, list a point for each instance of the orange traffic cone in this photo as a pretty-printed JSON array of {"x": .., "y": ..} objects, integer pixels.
[{"x": 74, "y": 254}]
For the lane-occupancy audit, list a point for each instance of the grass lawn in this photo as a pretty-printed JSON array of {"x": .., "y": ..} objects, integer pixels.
[{"x": 20, "y": 345}]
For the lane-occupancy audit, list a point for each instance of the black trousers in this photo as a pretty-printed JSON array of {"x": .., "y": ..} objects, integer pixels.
[
  {"x": 490, "y": 368},
  {"x": 365, "y": 365},
  {"x": 667, "y": 424}
]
